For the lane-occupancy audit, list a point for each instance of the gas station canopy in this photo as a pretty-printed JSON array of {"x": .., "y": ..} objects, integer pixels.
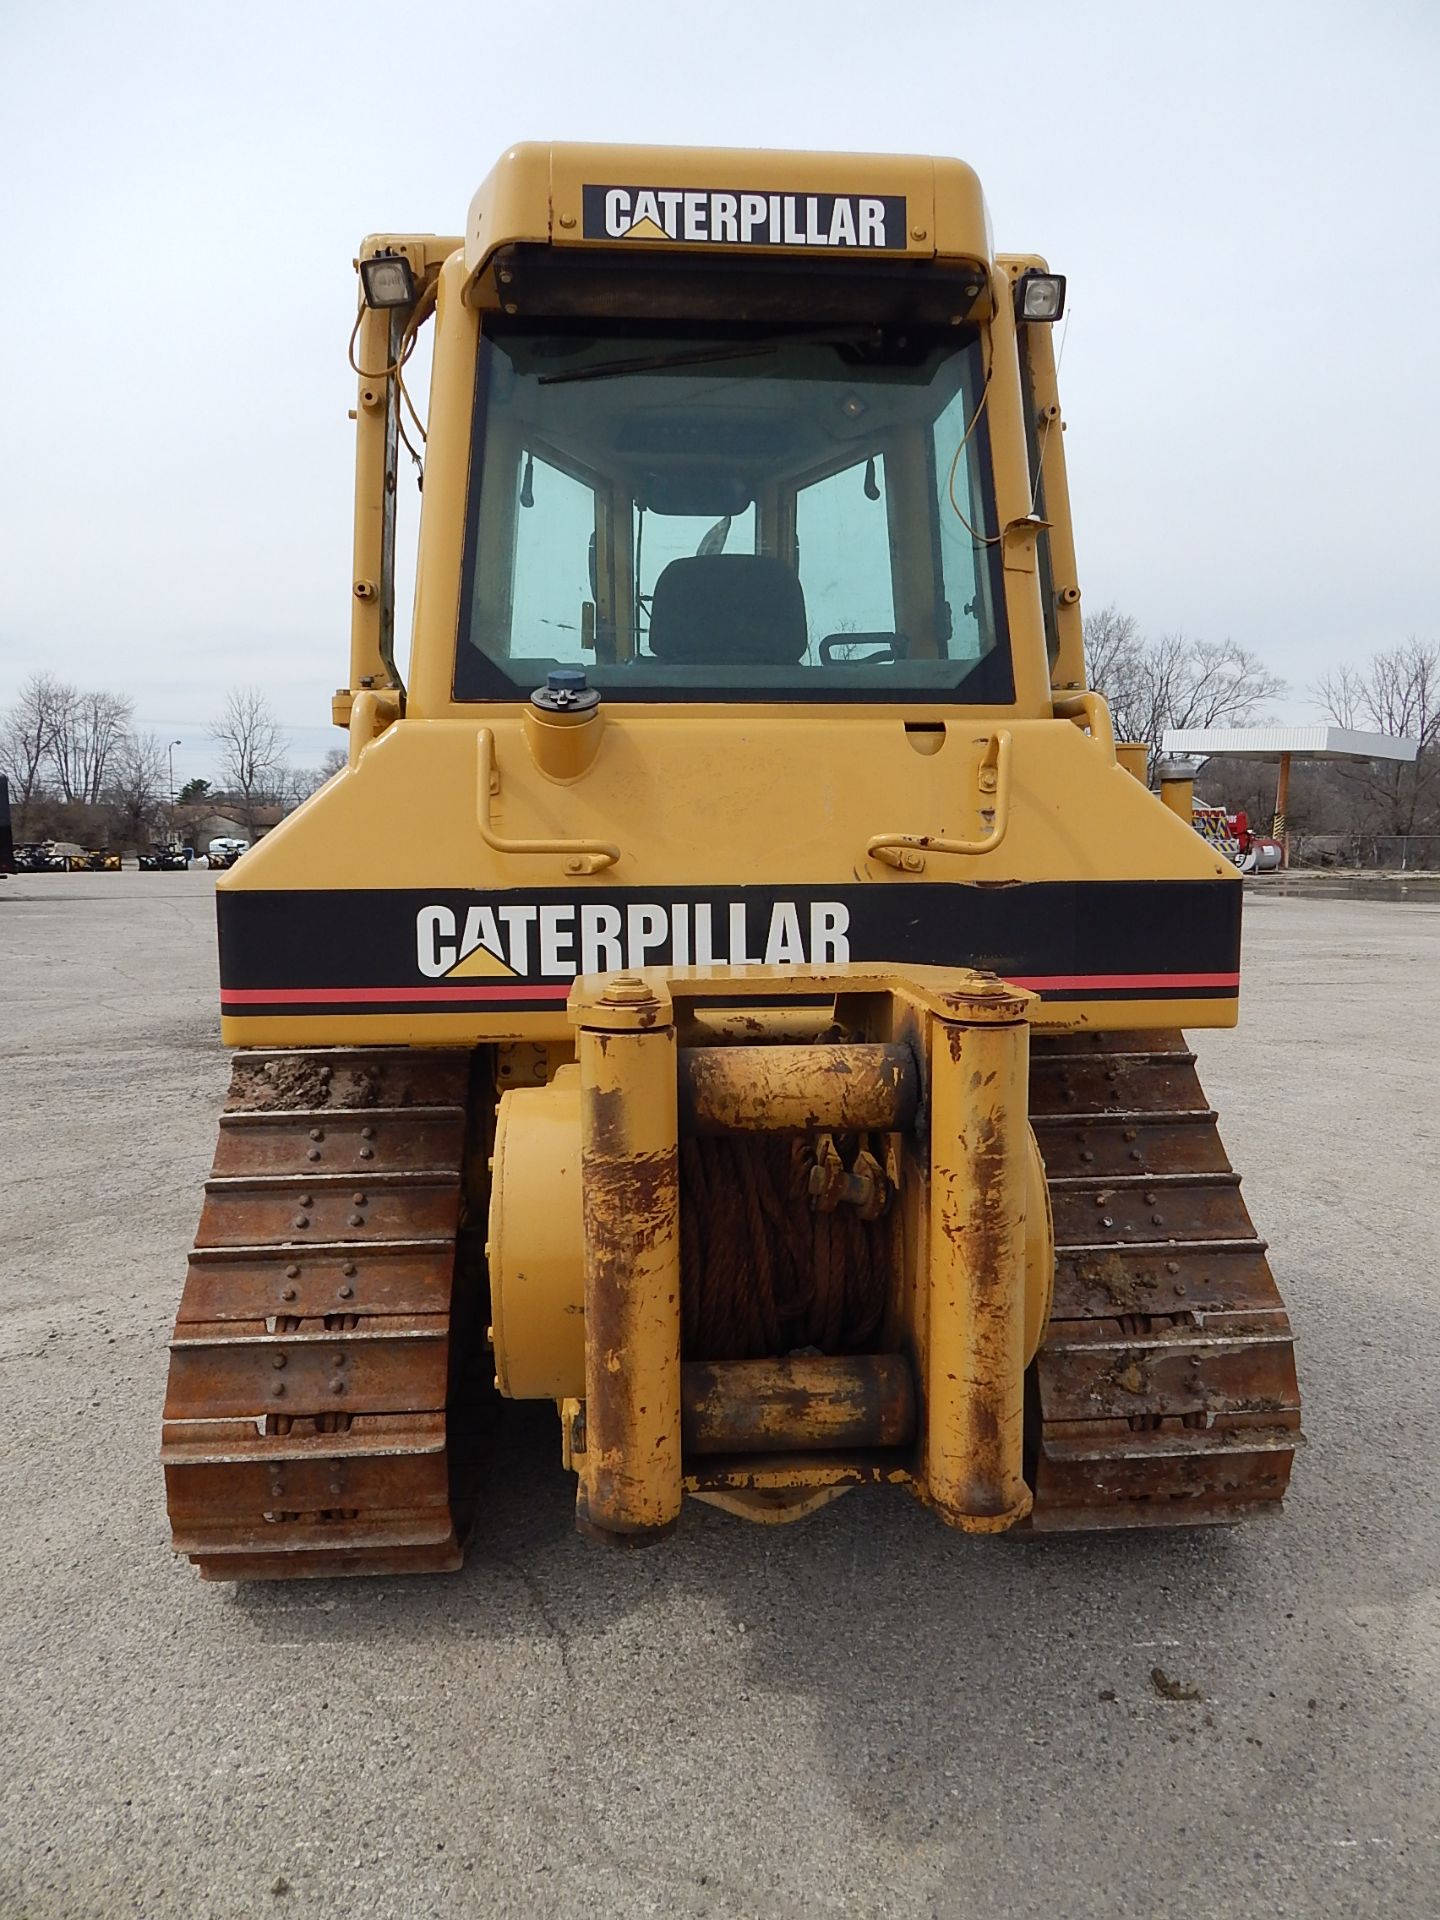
[{"x": 1277, "y": 743}]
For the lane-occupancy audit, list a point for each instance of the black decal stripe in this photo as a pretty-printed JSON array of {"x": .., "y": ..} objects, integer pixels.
[
  {"x": 1104, "y": 939},
  {"x": 280, "y": 1007}
]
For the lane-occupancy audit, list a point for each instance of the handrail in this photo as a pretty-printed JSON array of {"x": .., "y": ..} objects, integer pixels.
[
  {"x": 370, "y": 714},
  {"x": 585, "y": 856},
  {"x": 907, "y": 850},
  {"x": 1094, "y": 710}
]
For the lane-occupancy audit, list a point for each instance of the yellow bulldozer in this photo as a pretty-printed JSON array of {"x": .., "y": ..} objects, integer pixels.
[{"x": 734, "y": 990}]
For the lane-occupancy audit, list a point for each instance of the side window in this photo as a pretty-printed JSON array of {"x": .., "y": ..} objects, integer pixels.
[
  {"x": 1035, "y": 437},
  {"x": 842, "y": 537},
  {"x": 965, "y": 533},
  {"x": 554, "y": 527}
]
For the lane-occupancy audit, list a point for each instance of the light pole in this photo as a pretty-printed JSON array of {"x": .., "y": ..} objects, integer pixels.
[{"x": 170, "y": 756}]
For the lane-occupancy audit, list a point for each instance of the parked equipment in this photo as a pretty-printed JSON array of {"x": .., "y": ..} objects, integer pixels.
[
  {"x": 733, "y": 992},
  {"x": 167, "y": 860},
  {"x": 223, "y": 854},
  {"x": 1231, "y": 835}
]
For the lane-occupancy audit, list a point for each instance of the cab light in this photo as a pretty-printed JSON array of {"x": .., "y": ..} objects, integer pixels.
[
  {"x": 1040, "y": 296},
  {"x": 387, "y": 281}
]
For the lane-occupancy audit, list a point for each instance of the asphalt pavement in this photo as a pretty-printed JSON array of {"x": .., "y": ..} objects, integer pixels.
[{"x": 864, "y": 1714}]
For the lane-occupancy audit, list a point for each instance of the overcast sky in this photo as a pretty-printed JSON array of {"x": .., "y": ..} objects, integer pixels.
[{"x": 1242, "y": 195}]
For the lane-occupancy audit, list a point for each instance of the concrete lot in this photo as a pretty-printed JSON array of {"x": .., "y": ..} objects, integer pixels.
[{"x": 862, "y": 1715}]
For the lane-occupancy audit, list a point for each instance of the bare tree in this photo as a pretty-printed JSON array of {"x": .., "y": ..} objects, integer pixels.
[
  {"x": 27, "y": 738},
  {"x": 251, "y": 759},
  {"x": 1112, "y": 648},
  {"x": 137, "y": 787},
  {"x": 89, "y": 728},
  {"x": 298, "y": 783},
  {"x": 1174, "y": 681},
  {"x": 1396, "y": 694}
]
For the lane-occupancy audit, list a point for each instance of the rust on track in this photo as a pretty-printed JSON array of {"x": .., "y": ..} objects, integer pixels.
[
  {"x": 1164, "y": 1393},
  {"x": 305, "y": 1430}
]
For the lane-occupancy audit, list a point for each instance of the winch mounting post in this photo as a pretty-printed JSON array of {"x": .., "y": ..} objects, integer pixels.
[{"x": 975, "y": 1336}]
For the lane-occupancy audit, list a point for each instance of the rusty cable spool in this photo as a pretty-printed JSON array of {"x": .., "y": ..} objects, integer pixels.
[{"x": 767, "y": 1270}]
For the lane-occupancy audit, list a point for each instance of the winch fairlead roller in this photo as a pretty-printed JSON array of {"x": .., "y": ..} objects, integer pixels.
[{"x": 734, "y": 990}]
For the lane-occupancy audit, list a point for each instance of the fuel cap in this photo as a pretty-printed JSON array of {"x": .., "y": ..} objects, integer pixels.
[{"x": 566, "y": 690}]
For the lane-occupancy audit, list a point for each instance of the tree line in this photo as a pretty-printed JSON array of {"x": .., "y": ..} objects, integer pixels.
[
  {"x": 80, "y": 770},
  {"x": 1156, "y": 683}
]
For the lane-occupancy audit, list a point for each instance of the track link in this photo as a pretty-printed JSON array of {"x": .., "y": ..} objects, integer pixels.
[
  {"x": 305, "y": 1430},
  {"x": 1164, "y": 1391}
]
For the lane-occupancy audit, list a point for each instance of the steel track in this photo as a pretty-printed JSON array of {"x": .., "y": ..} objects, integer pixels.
[
  {"x": 305, "y": 1428},
  {"x": 1164, "y": 1392}
]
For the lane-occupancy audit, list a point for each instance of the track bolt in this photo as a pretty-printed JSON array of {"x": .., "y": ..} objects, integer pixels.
[
  {"x": 337, "y": 1386},
  {"x": 278, "y": 1388},
  {"x": 357, "y": 1219},
  {"x": 292, "y": 1272},
  {"x": 367, "y": 1153},
  {"x": 1172, "y": 1266},
  {"x": 1087, "y": 1157},
  {"x": 367, "y": 1133},
  {"x": 335, "y": 1486},
  {"x": 317, "y": 1133},
  {"x": 339, "y": 1360},
  {"x": 305, "y": 1200},
  {"x": 1131, "y": 1134},
  {"x": 325, "y": 1073},
  {"x": 345, "y": 1292},
  {"x": 359, "y": 1199},
  {"x": 1107, "y": 1221},
  {"x": 287, "y": 1293},
  {"x": 1156, "y": 1220},
  {"x": 301, "y": 1220},
  {"x": 349, "y": 1269},
  {"x": 626, "y": 990},
  {"x": 1150, "y": 1199},
  {"x": 1135, "y": 1154},
  {"x": 277, "y": 1486},
  {"x": 313, "y": 1154},
  {"x": 278, "y": 1361}
]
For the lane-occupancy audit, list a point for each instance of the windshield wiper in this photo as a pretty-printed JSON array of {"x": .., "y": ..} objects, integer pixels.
[{"x": 733, "y": 350}]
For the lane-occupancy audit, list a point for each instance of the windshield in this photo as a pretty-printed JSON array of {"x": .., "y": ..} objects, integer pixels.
[{"x": 692, "y": 515}]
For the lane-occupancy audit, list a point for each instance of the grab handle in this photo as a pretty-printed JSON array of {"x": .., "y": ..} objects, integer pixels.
[
  {"x": 582, "y": 856},
  {"x": 907, "y": 850},
  {"x": 1094, "y": 711}
]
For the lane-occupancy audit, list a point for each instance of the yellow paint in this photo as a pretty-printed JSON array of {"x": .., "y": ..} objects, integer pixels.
[
  {"x": 630, "y": 1471},
  {"x": 975, "y": 1334}
]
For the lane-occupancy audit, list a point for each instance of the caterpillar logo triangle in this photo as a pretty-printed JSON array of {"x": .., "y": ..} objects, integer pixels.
[
  {"x": 645, "y": 230},
  {"x": 480, "y": 964}
]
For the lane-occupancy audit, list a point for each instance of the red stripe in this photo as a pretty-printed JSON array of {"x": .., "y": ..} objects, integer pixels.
[
  {"x": 1055, "y": 982},
  {"x": 349, "y": 996},
  {"x": 344, "y": 996}
]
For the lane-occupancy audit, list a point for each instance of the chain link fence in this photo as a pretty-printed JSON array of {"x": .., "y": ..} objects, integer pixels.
[{"x": 1379, "y": 852}]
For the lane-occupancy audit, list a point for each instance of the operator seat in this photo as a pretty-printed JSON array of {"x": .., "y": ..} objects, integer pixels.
[{"x": 728, "y": 609}]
